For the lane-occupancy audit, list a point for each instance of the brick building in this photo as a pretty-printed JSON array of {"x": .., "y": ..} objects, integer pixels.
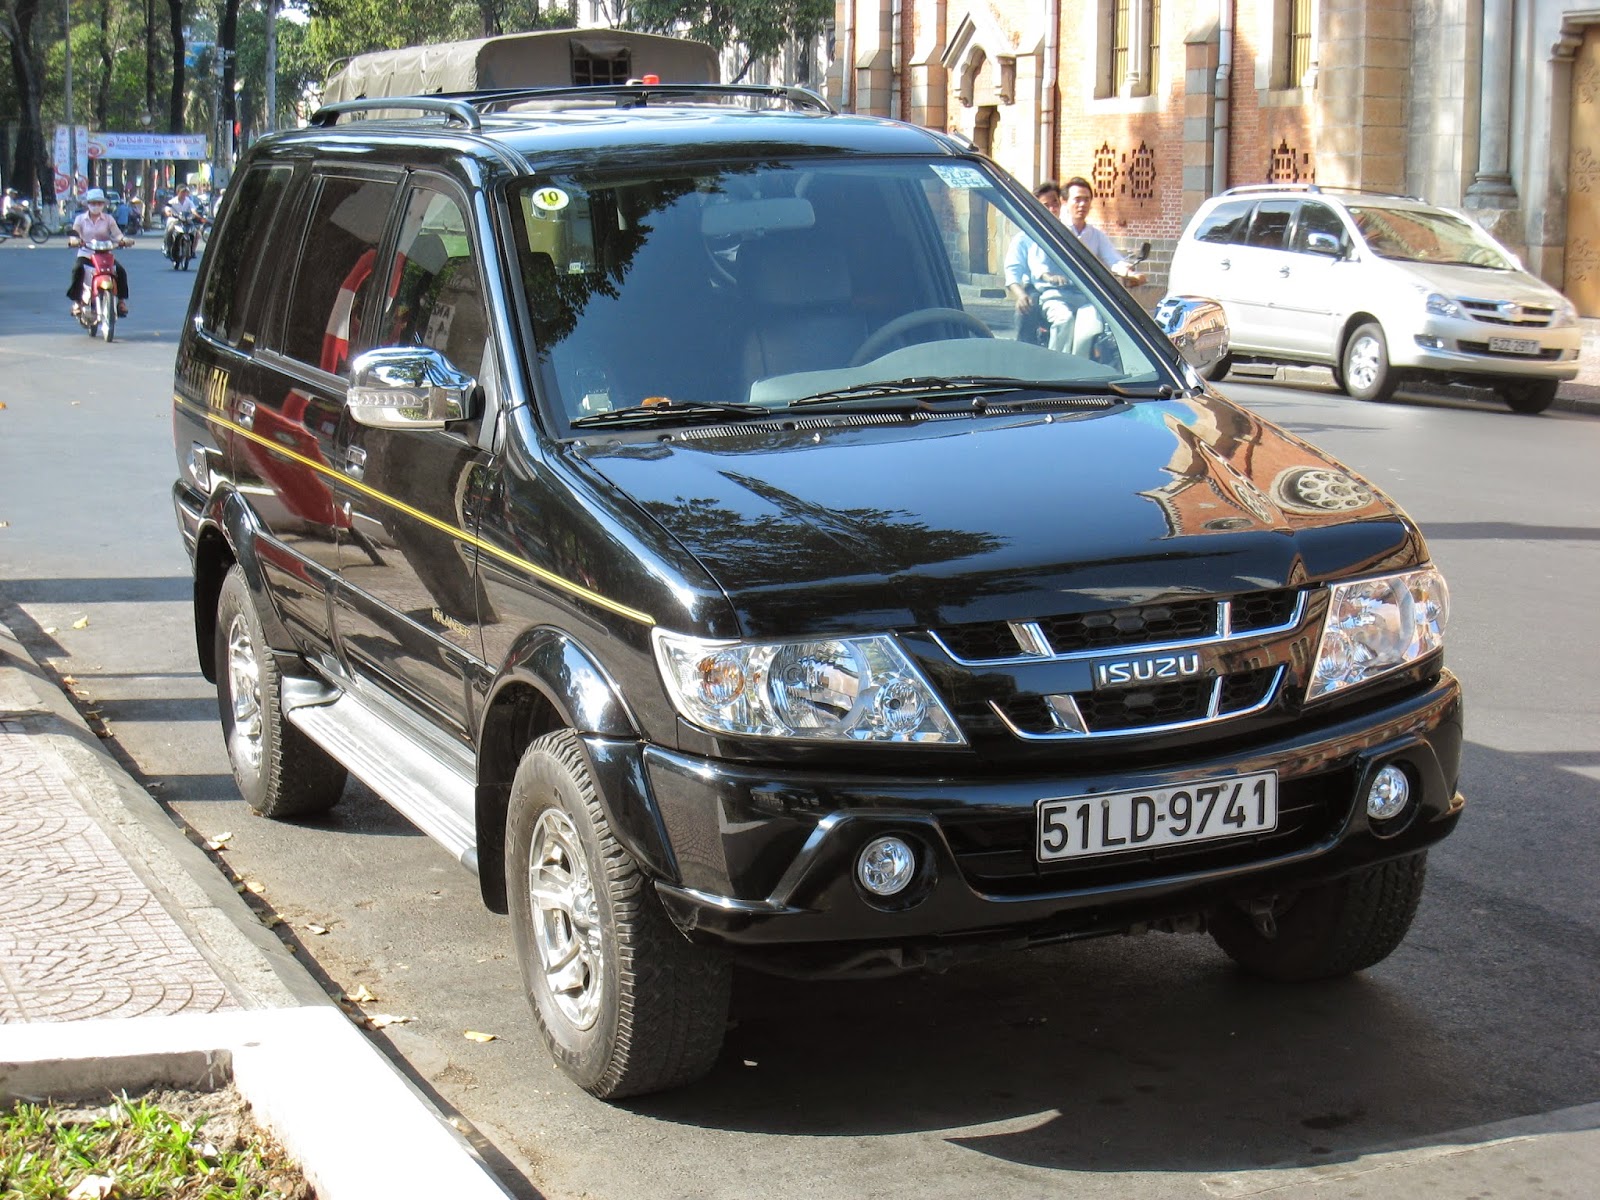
[{"x": 1491, "y": 105}]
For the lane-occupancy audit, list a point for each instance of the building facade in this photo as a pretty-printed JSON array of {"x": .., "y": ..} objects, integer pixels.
[{"x": 1488, "y": 105}]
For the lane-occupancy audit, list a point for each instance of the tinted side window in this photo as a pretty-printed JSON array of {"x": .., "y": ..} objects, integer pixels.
[
  {"x": 337, "y": 261},
  {"x": 1317, "y": 218},
  {"x": 1225, "y": 223},
  {"x": 1269, "y": 228},
  {"x": 234, "y": 257},
  {"x": 434, "y": 297}
]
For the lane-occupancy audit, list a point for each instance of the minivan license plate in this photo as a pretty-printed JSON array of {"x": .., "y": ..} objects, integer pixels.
[
  {"x": 1513, "y": 345},
  {"x": 1110, "y": 822}
]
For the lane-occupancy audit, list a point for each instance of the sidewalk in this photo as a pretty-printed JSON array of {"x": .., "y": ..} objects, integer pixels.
[{"x": 127, "y": 960}]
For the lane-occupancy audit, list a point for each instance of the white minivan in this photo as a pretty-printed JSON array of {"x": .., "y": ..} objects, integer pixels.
[{"x": 1379, "y": 288}]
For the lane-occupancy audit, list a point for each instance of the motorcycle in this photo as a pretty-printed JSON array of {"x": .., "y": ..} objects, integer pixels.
[
  {"x": 97, "y": 303},
  {"x": 181, "y": 245},
  {"x": 22, "y": 220}
]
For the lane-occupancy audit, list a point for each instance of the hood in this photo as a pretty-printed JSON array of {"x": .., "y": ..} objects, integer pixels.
[
  {"x": 835, "y": 525},
  {"x": 1480, "y": 283}
]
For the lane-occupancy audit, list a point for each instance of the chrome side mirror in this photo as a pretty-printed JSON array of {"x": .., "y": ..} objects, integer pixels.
[
  {"x": 1197, "y": 327},
  {"x": 1323, "y": 243},
  {"x": 407, "y": 387}
]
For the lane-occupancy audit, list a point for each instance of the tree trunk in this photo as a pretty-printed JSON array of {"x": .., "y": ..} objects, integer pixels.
[
  {"x": 102, "y": 91},
  {"x": 227, "y": 36},
  {"x": 175, "y": 96},
  {"x": 32, "y": 159}
]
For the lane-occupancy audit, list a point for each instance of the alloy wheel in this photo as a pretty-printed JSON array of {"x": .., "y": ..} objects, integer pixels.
[
  {"x": 1361, "y": 366},
  {"x": 244, "y": 690},
  {"x": 566, "y": 919}
]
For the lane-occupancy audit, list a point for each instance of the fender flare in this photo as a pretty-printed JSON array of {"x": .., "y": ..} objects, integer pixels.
[{"x": 226, "y": 514}]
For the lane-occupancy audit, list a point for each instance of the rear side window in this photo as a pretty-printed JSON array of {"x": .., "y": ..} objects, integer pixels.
[
  {"x": 335, "y": 277},
  {"x": 1269, "y": 228},
  {"x": 234, "y": 257},
  {"x": 1225, "y": 223}
]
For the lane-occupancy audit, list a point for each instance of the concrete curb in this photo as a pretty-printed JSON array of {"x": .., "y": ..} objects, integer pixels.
[{"x": 358, "y": 1129}]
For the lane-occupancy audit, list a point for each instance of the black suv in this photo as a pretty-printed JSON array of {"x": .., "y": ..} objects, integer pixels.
[{"x": 645, "y": 491}]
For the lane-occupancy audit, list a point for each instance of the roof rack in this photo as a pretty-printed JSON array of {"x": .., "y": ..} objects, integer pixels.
[
  {"x": 468, "y": 107},
  {"x": 1247, "y": 188}
]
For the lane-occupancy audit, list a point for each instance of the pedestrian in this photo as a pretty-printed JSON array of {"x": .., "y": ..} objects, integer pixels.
[
  {"x": 1026, "y": 269},
  {"x": 1079, "y": 200}
]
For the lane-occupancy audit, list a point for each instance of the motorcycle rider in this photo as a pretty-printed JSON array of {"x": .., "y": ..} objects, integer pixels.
[
  {"x": 95, "y": 224},
  {"x": 15, "y": 214},
  {"x": 179, "y": 208}
]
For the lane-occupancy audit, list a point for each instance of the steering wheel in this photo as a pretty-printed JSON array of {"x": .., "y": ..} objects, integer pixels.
[{"x": 906, "y": 322}]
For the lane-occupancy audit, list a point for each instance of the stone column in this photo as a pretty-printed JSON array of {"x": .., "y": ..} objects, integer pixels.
[
  {"x": 1359, "y": 115},
  {"x": 1492, "y": 187}
]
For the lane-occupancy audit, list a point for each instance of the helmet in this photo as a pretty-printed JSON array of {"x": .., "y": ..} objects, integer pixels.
[
  {"x": 11, "y": 191},
  {"x": 94, "y": 196}
]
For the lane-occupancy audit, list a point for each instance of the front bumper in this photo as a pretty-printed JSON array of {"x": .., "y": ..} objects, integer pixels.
[
  {"x": 1462, "y": 348},
  {"x": 765, "y": 858}
]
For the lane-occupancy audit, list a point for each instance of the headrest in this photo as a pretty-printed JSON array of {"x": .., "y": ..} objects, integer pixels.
[
  {"x": 428, "y": 252},
  {"x": 793, "y": 270}
]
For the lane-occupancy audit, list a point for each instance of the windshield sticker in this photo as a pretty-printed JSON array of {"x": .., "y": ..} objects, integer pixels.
[
  {"x": 551, "y": 199},
  {"x": 960, "y": 177}
]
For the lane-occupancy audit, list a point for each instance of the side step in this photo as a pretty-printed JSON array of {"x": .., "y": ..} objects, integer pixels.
[{"x": 426, "y": 778}]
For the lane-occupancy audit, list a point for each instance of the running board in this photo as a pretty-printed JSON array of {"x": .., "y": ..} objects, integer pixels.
[{"x": 424, "y": 778}]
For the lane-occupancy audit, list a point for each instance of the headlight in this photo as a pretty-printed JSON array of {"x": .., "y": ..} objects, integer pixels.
[
  {"x": 1566, "y": 314},
  {"x": 1377, "y": 625},
  {"x": 860, "y": 689},
  {"x": 1441, "y": 305}
]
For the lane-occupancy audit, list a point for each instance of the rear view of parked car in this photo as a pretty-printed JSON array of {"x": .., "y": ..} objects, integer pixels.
[{"x": 1382, "y": 289}]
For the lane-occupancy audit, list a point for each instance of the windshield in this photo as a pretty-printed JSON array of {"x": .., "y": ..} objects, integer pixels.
[
  {"x": 753, "y": 287},
  {"x": 1429, "y": 236}
]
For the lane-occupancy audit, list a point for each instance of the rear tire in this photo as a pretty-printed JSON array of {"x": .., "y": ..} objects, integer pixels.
[
  {"x": 1364, "y": 365},
  {"x": 280, "y": 771},
  {"x": 1330, "y": 930},
  {"x": 626, "y": 1003},
  {"x": 38, "y": 232},
  {"x": 1529, "y": 396}
]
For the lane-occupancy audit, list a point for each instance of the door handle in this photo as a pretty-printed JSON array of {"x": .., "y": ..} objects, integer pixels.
[
  {"x": 355, "y": 462},
  {"x": 247, "y": 413},
  {"x": 1226, "y": 264},
  {"x": 1283, "y": 271}
]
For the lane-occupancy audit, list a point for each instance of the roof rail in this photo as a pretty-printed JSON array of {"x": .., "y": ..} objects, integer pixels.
[
  {"x": 635, "y": 94},
  {"x": 328, "y": 115},
  {"x": 1248, "y": 188}
]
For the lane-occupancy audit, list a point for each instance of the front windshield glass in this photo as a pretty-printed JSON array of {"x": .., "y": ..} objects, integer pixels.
[
  {"x": 1428, "y": 236},
  {"x": 770, "y": 284}
]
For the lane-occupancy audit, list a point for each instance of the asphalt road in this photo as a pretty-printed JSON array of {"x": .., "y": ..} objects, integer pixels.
[{"x": 1126, "y": 1067}]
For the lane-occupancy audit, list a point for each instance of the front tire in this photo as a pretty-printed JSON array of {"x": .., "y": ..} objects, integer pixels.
[
  {"x": 1528, "y": 396},
  {"x": 280, "y": 771},
  {"x": 1365, "y": 365},
  {"x": 1330, "y": 930},
  {"x": 105, "y": 315},
  {"x": 38, "y": 232},
  {"x": 626, "y": 1003}
]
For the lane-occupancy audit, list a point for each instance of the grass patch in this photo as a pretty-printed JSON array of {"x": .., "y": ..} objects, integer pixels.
[{"x": 174, "y": 1145}]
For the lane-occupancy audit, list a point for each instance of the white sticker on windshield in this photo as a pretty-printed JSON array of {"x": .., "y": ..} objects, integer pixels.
[
  {"x": 550, "y": 199},
  {"x": 959, "y": 177}
]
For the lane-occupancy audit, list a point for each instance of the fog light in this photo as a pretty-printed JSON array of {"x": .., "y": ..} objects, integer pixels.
[
  {"x": 886, "y": 866},
  {"x": 1389, "y": 794},
  {"x": 1430, "y": 343}
]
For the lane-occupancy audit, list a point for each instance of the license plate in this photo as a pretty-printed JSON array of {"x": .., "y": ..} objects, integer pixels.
[
  {"x": 1200, "y": 811},
  {"x": 1513, "y": 345}
]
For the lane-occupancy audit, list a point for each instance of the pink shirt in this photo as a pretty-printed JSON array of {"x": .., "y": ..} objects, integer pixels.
[{"x": 91, "y": 228}]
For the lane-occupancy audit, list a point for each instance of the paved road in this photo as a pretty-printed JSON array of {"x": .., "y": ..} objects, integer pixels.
[{"x": 1128, "y": 1067}]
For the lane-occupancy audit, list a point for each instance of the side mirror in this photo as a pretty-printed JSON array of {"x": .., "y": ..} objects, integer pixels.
[
  {"x": 407, "y": 387},
  {"x": 1197, "y": 327},
  {"x": 1144, "y": 252},
  {"x": 1323, "y": 243}
]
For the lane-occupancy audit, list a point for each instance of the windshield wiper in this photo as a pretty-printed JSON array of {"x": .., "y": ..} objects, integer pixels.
[
  {"x": 677, "y": 410},
  {"x": 977, "y": 385}
]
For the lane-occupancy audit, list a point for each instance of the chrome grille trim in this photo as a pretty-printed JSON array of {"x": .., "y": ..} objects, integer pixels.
[
  {"x": 1225, "y": 634},
  {"x": 1213, "y": 715}
]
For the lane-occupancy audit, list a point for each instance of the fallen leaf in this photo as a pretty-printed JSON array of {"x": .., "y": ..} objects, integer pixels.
[
  {"x": 4, "y": 524},
  {"x": 272, "y": 920},
  {"x": 384, "y": 1020},
  {"x": 472, "y": 1035},
  {"x": 319, "y": 930},
  {"x": 93, "y": 1187},
  {"x": 81, "y": 623},
  {"x": 360, "y": 995},
  {"x": 50, "y": 629},
  {"x": 255, "y": 887},
  {"x": 2, "y": 404},
  {"x": 69, "y": 681},
  {"x": 218, "y": 842}
]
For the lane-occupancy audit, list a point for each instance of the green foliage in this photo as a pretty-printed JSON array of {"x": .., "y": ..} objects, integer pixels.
[
  {"x": 761, "y": 27},
  {"x": 341, "y": 28}
]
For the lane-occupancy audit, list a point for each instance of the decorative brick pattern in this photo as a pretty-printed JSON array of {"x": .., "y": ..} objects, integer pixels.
[{"x": 81, "y": 936}]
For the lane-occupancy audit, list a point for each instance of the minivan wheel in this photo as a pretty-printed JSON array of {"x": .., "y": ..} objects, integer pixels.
[
  {"x": 280, "y": 771},
  {"x": 626, "y": 1003},
  {"x": 1330, "y": 930},
  {"x": 1366, "y": 371},
  {"x": 1529, "y": 396}
]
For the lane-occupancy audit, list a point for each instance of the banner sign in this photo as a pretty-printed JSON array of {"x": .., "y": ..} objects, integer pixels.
[
  {"x": 167, "y": 146},
  {"x": 63, "y": 149}
]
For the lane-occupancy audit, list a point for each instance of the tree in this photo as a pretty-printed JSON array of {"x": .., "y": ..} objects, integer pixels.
[
  {"x": 175, "y": 95},
  {"x": 761, "y": 27},
  {"x": 32, "y": 160}
]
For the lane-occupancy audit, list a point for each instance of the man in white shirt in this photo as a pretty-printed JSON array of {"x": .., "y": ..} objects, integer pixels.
[
  {"x": 1079, "y": 200},
  {"x": 180, "y": 206}
]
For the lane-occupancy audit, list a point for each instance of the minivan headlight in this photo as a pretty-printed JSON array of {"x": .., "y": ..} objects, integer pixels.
[
  {"x": 1440, "y": 305},
  {"x": 1566, "y": 314},
  {"x": 849, "y": 689},
  {"x": 1374, "y": 626}
]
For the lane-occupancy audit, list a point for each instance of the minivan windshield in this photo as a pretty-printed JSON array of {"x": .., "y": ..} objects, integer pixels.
[
  {"x": 1428, "y": 236},
  {"x": 748, "y": 288}
]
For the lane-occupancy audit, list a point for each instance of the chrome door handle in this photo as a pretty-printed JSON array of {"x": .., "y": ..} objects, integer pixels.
[
  {"x": 1226, "y": 264},
  {"x": 247, "y": 413},
  {"x": 355, "y": 462},
  {"x": 1283, "y": 271}
]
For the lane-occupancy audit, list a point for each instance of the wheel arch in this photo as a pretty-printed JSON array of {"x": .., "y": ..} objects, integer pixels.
[
  {"x": 1352, "y": 323},
  {"x": 227, "y": 536},
  {"x": 550, "y": 681}
]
